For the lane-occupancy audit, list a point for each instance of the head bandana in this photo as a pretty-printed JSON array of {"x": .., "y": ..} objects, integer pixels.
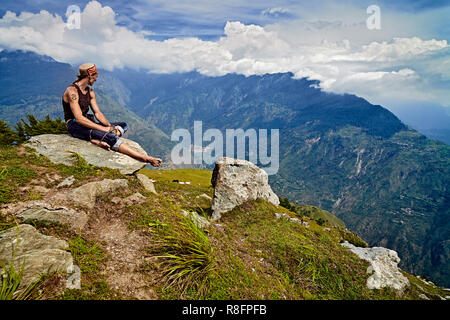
[
  {"x": 92, "y": 71},
  {"x": 87, "y": 69}
]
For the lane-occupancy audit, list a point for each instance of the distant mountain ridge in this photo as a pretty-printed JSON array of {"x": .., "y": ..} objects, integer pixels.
[
  {"x": 387, "y": 182},
  {"x": 430, "y": 119}
]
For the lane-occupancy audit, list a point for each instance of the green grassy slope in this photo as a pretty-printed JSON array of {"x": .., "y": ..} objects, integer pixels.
[{"x": 248, "y": 254}]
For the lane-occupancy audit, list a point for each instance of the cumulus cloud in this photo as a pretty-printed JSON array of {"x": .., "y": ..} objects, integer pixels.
[
  {"x": 375, "y": 69},
  {"x": 399, "y": 48}
]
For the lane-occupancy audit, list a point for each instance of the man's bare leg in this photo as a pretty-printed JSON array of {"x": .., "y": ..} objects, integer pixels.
[{"x": 126, "y": 149}]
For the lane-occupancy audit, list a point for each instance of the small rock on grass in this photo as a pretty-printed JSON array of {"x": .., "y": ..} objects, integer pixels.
[{"x": 146, "y": 182}]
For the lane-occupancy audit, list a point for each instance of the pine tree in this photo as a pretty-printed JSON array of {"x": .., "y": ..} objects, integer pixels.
[
  {"x": 7, "y": 136},
  {"x": 36, "y": 127},
  {"x": 23, "y": 131}
]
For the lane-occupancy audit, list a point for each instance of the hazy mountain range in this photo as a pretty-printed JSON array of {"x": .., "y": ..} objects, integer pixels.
[
  {"x": 386, "y": 181},
  {"x": 429, "y": 119}
]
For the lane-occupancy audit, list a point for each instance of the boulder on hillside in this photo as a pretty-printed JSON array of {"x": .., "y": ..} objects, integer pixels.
[
  {"x": 87, "y": 194},
  {"x": 236, "y": 181},
  {"x": 38, "y": 210},
  {"x": 73, "y": 219},
  {"x": 383, "y": 267},
  {"x": 59, "y": 147},
  {"x": 40, "y": 254}
]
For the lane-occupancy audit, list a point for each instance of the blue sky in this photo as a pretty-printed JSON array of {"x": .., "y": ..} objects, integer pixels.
[
  {"x": 206, "y": 18},
  {"x": 408, "y": 58}
]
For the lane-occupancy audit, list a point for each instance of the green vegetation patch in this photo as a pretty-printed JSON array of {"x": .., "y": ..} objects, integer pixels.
[
  {"x": 22, "y": 168},
  {"x": 306, "y": 262},
  {"x": 196, "y": 177},
  {"x": 321, "y": 216},
  {"x": 87, "y": 254},
  {"x": 174, "y": 196},
  {"x": 90, "y": 257},
  {"x": 15, "y": 172}
]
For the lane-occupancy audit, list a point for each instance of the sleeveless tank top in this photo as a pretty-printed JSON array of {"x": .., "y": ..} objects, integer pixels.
[{"x": 84, "y": 100}]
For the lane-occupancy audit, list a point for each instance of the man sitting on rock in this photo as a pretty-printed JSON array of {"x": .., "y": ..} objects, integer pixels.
[{"x": 77, "y": 99}]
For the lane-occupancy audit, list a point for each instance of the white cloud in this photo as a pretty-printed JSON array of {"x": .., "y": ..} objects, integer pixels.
[
  {"x": 276, "y": 11},
  {"x": 373, "y": 69},
  {"x": 398, "y": 49}
]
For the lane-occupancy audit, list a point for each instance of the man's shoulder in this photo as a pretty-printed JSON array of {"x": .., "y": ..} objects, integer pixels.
[
  {"x": 70, "y": 94},
  {"x": 71, "y": 89}
]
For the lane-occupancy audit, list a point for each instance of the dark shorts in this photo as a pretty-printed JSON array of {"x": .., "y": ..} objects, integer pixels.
[{"x": 78, "y": 131}]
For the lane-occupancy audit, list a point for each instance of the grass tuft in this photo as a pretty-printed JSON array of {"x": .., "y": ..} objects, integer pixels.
[
  {"x": 11, "y": 280},
  {"x": 186, "y": 255},
  {"x": 10, "y": 284}
]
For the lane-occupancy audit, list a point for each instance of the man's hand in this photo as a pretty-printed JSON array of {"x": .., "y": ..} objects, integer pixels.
[{"x": 111, "y": 129}]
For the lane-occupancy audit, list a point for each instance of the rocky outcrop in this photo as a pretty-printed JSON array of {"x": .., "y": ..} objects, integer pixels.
[
  {"x": 383, "y": 267},
  {"x": 86, "y": 194},
  {"x": 236, "y": 181},
  {"x": 43, "y": 211},
  {"x": 59, "y": 148},
  {"x": 38, "y": 253}
]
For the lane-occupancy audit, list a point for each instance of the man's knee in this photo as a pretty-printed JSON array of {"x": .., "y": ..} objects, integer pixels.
[
  {"x": 117, "y": 144},
  {"x": 122, "y": 127}
]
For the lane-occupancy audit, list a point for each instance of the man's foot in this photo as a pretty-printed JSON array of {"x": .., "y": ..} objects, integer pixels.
[
  {"x": 102, "y": 144},
  {"x": 156, "y": 162}
]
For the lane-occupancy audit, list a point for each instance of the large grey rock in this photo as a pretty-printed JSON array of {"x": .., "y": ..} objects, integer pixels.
[
  {"x": 58, "y": 148},
  {"x": 86, "y": 194},
  {"x": 383, "y": 267},
  {"x": 45, "y": 212},
  {"x": 236, "y": 181},
  {"x": 42, "y": 254}
]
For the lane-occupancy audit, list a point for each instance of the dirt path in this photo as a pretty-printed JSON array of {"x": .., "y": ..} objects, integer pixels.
[{"x": 126, "y": 251}]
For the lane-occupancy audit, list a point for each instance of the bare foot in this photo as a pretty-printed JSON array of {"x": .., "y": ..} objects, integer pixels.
[
  {"x": 156, "y": 162},
  {"x": 102, "y": 144}
]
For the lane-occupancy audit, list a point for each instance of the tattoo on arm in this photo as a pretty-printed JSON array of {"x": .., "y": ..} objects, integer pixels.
[{"x": 73, "y": 96}]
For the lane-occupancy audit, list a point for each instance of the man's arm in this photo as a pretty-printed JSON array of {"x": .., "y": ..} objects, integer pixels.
[
  {"x": 72, "y": 97},
  {"x": 98, "y": 114}
]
